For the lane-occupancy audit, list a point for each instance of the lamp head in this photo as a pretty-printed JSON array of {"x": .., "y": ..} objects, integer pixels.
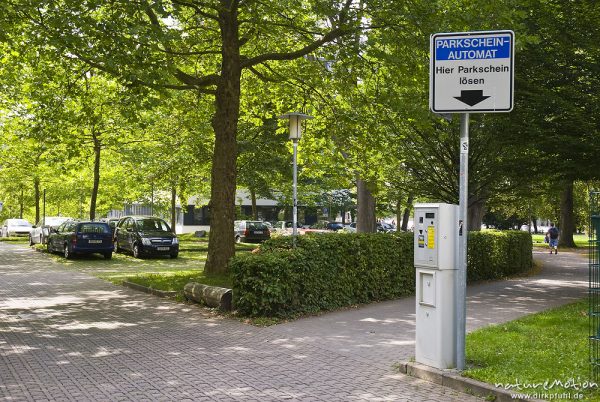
[{"x": 295, "y": 124}]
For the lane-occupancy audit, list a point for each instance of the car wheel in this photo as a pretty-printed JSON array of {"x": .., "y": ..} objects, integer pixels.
[
  {"x": 30, "y": 241},
  {"x": 67, "y": 252},
  {"x": 107, "y": 256},
  {"x": 238, "y": 239},
  {"x": 174, "y": 255},
  {"x": 136, "y": 251}
]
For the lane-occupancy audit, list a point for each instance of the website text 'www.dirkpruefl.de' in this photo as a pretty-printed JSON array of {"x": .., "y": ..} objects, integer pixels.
[
  {"x": 548, "y": 396},
  {"x": 549, "y": 390}
]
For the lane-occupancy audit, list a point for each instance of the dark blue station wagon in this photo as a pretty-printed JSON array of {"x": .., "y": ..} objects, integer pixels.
[{"x": 73, "y": 237}]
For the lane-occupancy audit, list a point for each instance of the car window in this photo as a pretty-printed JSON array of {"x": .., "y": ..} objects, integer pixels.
[
  {"x": 52, "y": 221},
  {"x": 155, "y": 225},
  {"x": 19, "y": 222},
  {"x": 66, "y": 227},
  {"x": 93, "y": 228},
  {"x": 256, "y": 226}
]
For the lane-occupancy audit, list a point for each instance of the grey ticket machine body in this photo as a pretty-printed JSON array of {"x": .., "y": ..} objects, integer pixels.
[{"x": 436, "y": 231}]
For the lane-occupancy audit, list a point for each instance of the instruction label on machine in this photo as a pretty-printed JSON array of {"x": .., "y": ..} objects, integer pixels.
[{"x": 431, "y": 237}]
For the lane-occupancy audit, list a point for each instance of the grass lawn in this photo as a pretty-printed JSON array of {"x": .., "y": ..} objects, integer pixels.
[
  {"x": 581, "y": 240},
  {"x": 15, "y": 239},
  {"x": 548, "y": 346}
]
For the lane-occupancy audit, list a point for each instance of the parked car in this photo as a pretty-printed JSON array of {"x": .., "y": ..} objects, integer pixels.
[
  {"x": 250, "y": 231},
  {"x": 386, "y": 227},
  {"x": 145, "y": 235},
  {"x": 74, "y": 237},
  {"x": 285, "y": 227},
  {"x": 16, "y": 227},
  {"x": 335, "y": 226},
  {"x": 112, "y": 222},
  {"x": 351, "y": 227},
  {"x": 41, "y": 230}
]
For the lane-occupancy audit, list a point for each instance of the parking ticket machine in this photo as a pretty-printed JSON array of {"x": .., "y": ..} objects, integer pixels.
[{"x": 435, "y": 240}]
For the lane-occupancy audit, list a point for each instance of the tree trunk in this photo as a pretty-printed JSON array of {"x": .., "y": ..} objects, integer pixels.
[
  {"x": 407, "y": 210},
  {"x": 398, "y": 213},
  {"x": 96, "y": 185},
  {"x": 253, "y": 201},
  {"x": 366, "y": 221},
  {"x": 21, "y": 203},
  {"x": 567, "y": 221},
  {"x": 475, "y": 214},
  {"x": 36, "y": 190},
  {"x": 224, "y": 122},
  {"x": 535, "y": 228},
  {"x": 173, "y": 208}
]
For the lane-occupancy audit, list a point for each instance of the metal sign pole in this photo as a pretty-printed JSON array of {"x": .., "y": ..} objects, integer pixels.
[
  {"x": 461, "y": 277},
  {"x": 295, "y": 195}
]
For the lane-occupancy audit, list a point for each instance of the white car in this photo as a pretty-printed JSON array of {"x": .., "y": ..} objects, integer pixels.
[
  {"x": 40, "y": 232},
  {"x": 350, "y": 227},
  {"x": 16, "y": 227}
]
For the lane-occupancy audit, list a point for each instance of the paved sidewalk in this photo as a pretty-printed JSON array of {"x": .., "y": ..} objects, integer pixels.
[{"x": 66, "y": 335}]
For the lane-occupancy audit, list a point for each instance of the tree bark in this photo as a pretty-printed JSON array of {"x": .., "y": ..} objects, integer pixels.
[
  {"x": 567, "y": 221},
  {"x": 253, "y": 201},
  {"x": 96, "y": 185},
  {"x": 224, "y": 122},
  {"x": 36, "y": 189},
  {"x": 406, "y": 215},
  {"x": 399, "y": 212},
  {"x": 366, "y": 221},
  {"x": 173, "y": 208},
  {"x": 475, "y": 214},
  {"x": 535, "y": 228}
]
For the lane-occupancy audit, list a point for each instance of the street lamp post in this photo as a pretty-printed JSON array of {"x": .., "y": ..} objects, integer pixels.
[{"x": 295, "y": 120}]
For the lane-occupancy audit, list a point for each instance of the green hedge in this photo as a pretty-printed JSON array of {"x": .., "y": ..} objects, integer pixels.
[
  {"x": 495, "y": 254},
  {"x": 328, "y": 271}
]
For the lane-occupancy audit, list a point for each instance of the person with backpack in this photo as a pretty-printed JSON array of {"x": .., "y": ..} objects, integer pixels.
[{"x": 552, "y": 235}]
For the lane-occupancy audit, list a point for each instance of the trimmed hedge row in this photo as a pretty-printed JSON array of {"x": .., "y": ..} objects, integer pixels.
[
  {"x": 328, "y": 271},
  {"x": 496, "y": 254}
]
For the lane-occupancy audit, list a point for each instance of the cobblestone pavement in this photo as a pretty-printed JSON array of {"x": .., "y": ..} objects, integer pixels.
[{"x": 67, "y": 336}]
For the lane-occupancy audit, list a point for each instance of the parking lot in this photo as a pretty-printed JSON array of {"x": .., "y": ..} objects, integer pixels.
[{"x": 66, "y": 335}]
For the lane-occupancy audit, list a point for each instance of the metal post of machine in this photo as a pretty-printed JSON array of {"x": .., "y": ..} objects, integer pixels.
[
  {"x": 295, "y": 193},
  {"x": 461, "y": 275}
]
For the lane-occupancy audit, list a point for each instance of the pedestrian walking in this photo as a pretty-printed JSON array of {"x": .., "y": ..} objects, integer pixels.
[{"x": 552, "y": 235}]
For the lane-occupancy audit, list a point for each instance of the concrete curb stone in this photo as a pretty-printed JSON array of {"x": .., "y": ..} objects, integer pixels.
[
  {"x": 452, "y": 379},
  {"x": 155, "y": 292}
]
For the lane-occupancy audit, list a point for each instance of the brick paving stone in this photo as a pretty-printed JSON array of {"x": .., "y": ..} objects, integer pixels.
[{"x": 65, "y": 335}]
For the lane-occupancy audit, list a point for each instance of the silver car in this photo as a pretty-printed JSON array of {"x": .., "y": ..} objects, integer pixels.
[
  {"x": 40, "y": 232},
  {"x": 16, "y": 227}
]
